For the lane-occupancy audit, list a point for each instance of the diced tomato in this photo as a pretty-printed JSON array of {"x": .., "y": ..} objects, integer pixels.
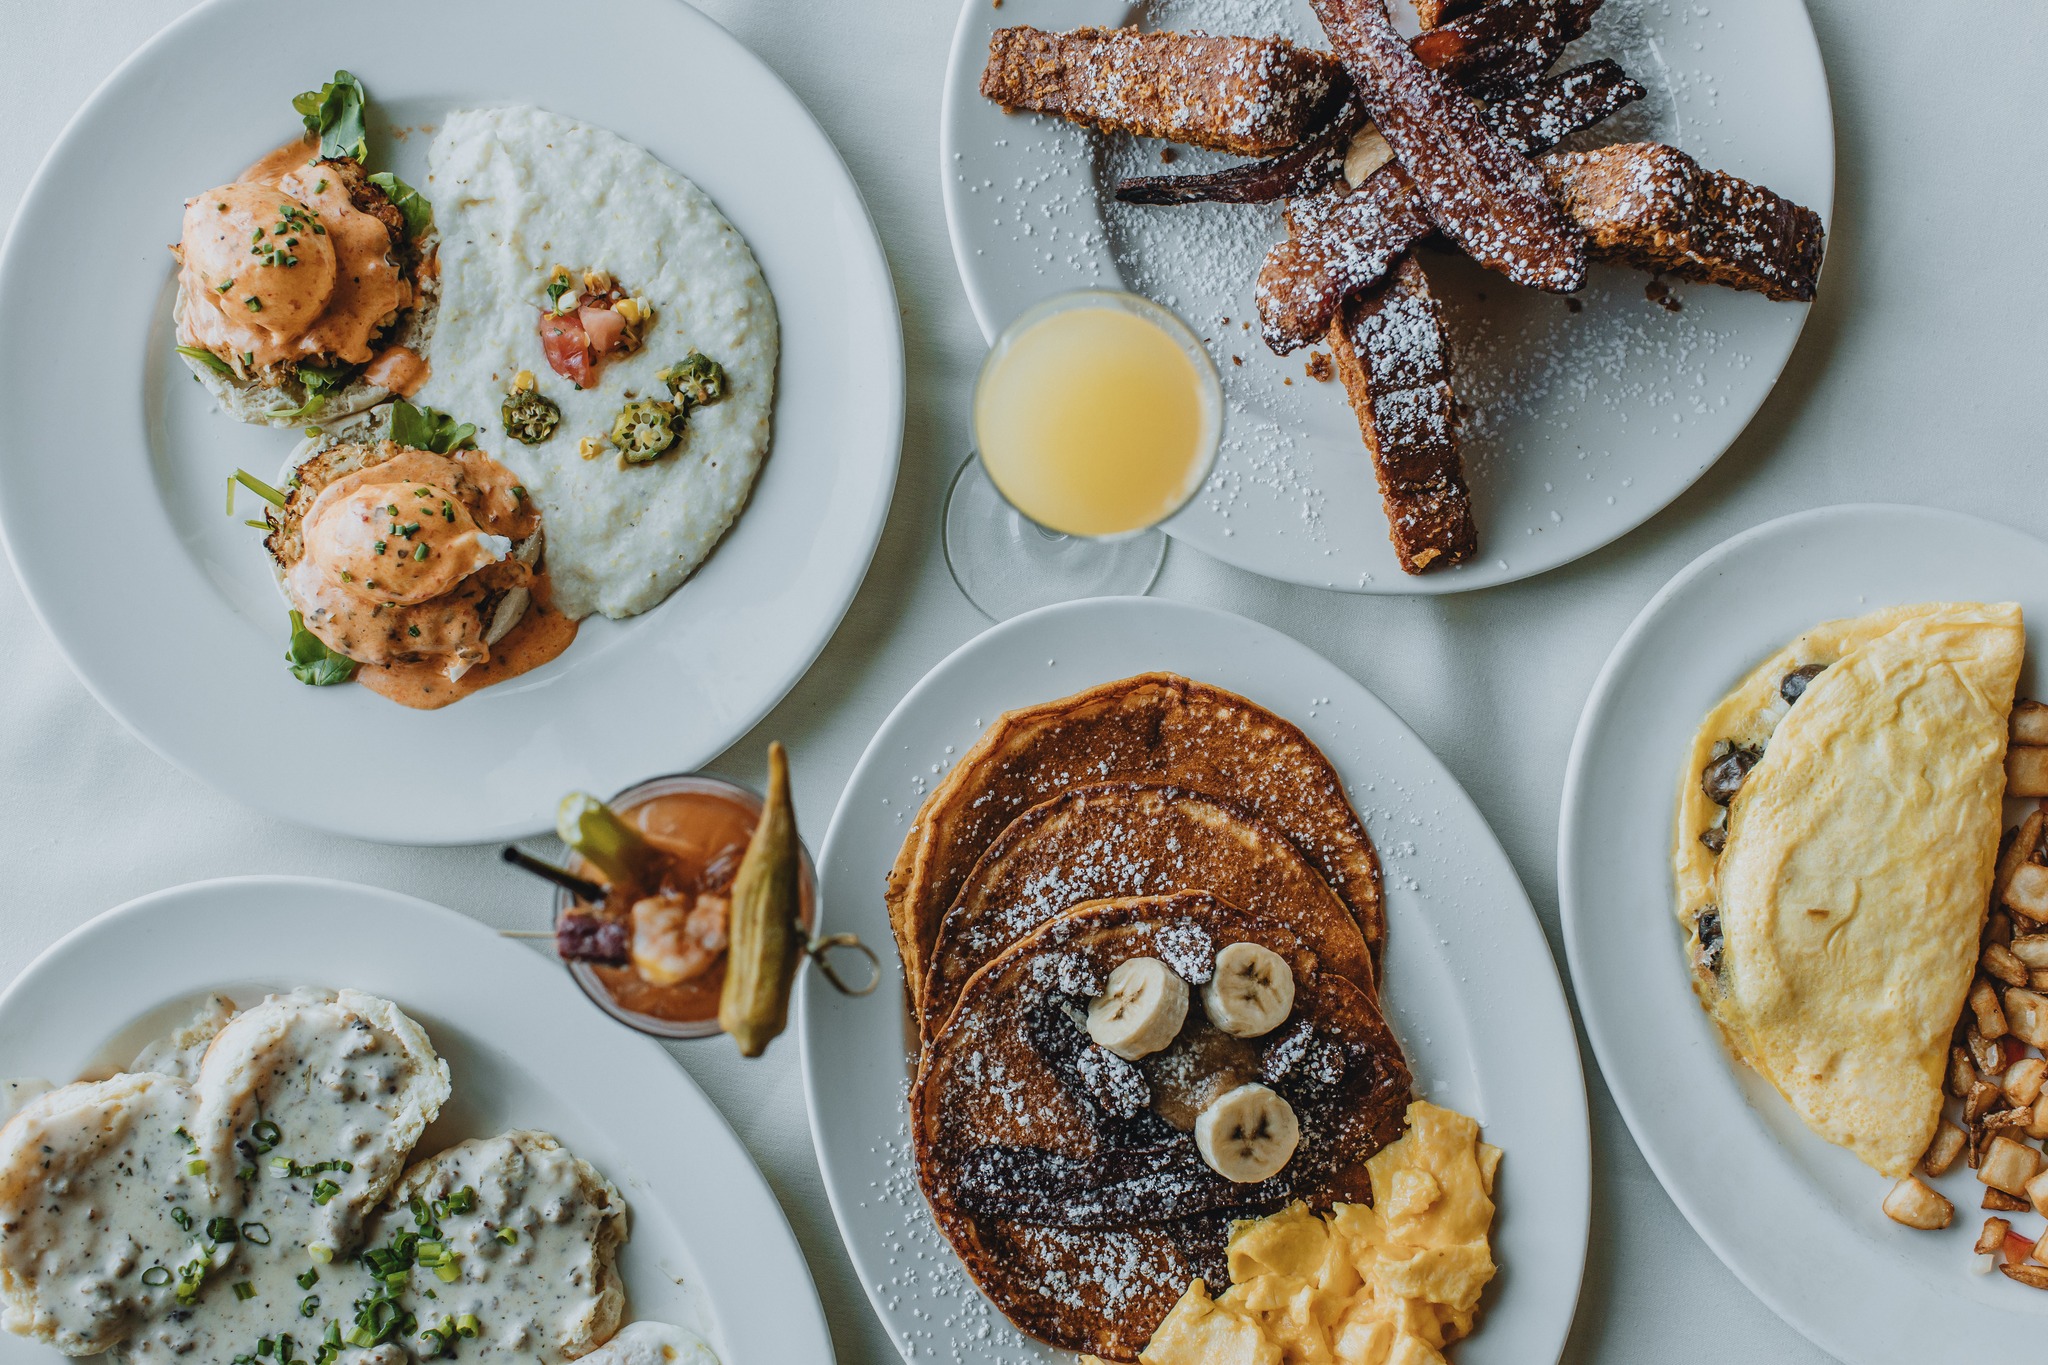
[
  {"x": 2018, "y": 1247},
  {"x": 604, "y": 327},
  {"x": 2013, "y": 1048},
  {"x": 567, "y": 348}
]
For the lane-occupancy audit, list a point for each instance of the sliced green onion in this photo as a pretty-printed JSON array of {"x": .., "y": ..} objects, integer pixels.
[
  {"x": 244, "y": 1290},
  {"x": 509, "y": 1236},
  {"x": 256, "y": 1234},
  {"x": 277, "y": 500},
  {"x": 309, "y": 1305},
  {"x": 467, "y": 1325},
  {"x": 156, "y": 1277}
]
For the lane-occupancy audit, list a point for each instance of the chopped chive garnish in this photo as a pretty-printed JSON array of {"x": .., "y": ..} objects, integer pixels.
[
  {"x": 256, "y": 1234},
  {"x": 156, "y": 1277},
  {"x": 380, "y": 547},
  {"x": 244, "y": 1290},
  {"x": 509, "y": 1236},
  {"x": 255, "y": 304},
  {"x": 248, "y": 1171},
  {"x": 182, "y": 1219},
  {"x": 220, "y": 1229},
  {"x": 275, "y": 499},
  {"x": 413, "y": 631},
  {"x": 259, "y": 525},
  {"x": 309, "y": 1305},
  {"x": 419, "y": 551},
  {"x": 324, "y": 1190},
  {"x": 467, "y": 1325},
  {"x": 307, "y": 1278},
  {"x": 196, "y": 1166}
]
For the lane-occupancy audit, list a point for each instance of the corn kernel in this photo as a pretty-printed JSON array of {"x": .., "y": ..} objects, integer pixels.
[
  {"x": 590, "y": 447},
  {"x": 522, "y": 381},
  {"x": 596, "y": 281}
]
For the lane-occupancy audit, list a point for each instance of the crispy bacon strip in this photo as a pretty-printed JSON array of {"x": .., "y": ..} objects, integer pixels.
[
  {"x": 1504, "y": 43},
  {"x": 1340, "y": 241},
  {"x": 1308, "y": 168},
  {"x": 1482, "y": 193}
]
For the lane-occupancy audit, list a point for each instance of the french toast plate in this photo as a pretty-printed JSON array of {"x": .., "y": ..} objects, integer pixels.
[
  {"x": 709, "y": 1249},
  {"x": 1468, "y": 982},
  {"x": 1795, "y": 1218},
  {"x": 165, "y": 605},
  {"x": 1580, "y": 420}
]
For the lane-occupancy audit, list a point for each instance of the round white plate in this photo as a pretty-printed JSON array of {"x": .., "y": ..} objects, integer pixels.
[
  {"x": 710, "y": 1247},
  {"x": 113, "y": 464},
  {"x": 1795, "y": 1218},
  {"x": 1580, "y": 425},
  {"x": 1469, "y": 984}
]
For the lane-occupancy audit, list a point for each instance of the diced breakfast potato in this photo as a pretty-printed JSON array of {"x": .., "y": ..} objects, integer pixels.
[
  {"x": 2030, "y": 723},
  {"x": 2034, "y": 1276},
  {"x": 1946, "y": 1147},
  {"x": 2009, "y": 1165},
  {"x": 1988, "y": 1057},
  {"x": 1962, "y": 1073},
  {"x": 2001, "y": 1202},
  {"x": 2026, "y": 1015},
  {"x": 2031, "y": 949},
  {"x": 2000, "y": 962},
  {"x": 2026, "y": 771},
  {"x": 1992, "y": 1238},
  {"x": 1983, "y": 1098},
  {"x": 1998, "y": 928},
  {"x": 1911, "y": 1202},
  {"x": 2038, "y": 1129},
  {"x": 1990, "y": 1014},
  {"x": 2027, "y": 892},
  {"x": 2037, "y": 1193},
  {"x": 2018, "y": 853},
  {"x": 2023, "y": 1080}
]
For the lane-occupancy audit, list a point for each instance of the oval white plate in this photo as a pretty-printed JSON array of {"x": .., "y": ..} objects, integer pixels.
[
  {"x": 1470, "y": 987},
  {"x": 1796, "y": 1219},
  {"x": 114, "y": 468},
  {"x": 1581, "y": 426},
  {"x": 710, "y": 1247}
]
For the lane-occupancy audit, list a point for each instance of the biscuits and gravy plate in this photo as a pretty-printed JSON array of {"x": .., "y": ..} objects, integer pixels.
[
  {"x": 479, "y": 1129},
  {"x": 1231, "y": 811},
  {"x": 1580, "y": 417},
  {"x": 539, "y": 380},
  {"x": 1787, "y": 972}
]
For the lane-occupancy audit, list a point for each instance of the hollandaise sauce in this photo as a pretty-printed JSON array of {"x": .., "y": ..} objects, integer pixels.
[{"x": 1097, "y": 414}]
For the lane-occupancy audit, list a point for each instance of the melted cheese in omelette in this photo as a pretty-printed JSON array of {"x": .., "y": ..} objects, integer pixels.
[
  {"x": 1859, "y": 852},
  {"x": 1391, "y": 1283}
]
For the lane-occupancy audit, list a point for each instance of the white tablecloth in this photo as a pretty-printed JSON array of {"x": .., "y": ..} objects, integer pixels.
[{"x": 1918, "y": 380}]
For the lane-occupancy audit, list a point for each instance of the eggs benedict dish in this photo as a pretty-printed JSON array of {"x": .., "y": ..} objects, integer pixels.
[
  {"x": 416, "y": 568},
  {"x": 306, "y": 285},
  {"x": 1839, "y": 816}
]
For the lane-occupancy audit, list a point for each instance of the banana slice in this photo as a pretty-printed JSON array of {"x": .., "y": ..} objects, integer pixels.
[
  {"x": 1247, "y": 1134},
  {"x": 1251, "y": 992},
  {"x": 1141, "y": 1010}
]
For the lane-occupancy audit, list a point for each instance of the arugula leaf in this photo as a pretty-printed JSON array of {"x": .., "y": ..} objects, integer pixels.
[
  {"x": 429, "y": 429},
  {"x": 312, "y": 662},
  {"x": 335, "y": 113},
  {"x": 206, "y": 358},
  {"x": 419, "y": 214},
  {"x": 326, "y": 379}
]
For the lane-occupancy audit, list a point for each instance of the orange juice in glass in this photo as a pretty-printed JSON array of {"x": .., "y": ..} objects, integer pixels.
[{"x": 1097, "y": 416}]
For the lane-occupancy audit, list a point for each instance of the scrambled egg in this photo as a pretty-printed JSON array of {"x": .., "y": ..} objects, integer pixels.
[
  {"x": 1847, "y": 899},
  {"x": 1389, "y": 1284}
]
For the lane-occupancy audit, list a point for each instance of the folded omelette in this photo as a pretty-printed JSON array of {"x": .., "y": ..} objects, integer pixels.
[{"x": 1832, "y": 911}]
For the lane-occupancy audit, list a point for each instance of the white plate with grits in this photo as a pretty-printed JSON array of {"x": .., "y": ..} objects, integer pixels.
[
  {"x": 166, "y": 605},
  {"x": 709, "y": 1248},
  {"x": 1470, "y": 988},
  {"x": 1578, "y": 424},
  {"x": 1795, "y": 1218}
]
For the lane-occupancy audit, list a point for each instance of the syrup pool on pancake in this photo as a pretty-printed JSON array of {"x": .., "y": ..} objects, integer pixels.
[
  {"x": 305, "y": 284},
  {"x": 412, "y": 564},
  {"x": 603, "y": 318}
]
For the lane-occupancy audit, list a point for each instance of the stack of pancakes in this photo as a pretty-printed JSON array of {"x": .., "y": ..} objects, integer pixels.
[{"x": 1152, "y": 817}]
